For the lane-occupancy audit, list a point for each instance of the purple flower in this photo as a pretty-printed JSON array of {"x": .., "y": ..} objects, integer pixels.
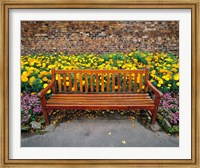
[
  {"x": 30, "y": 106},
  {"x": 169, "y": 108}
]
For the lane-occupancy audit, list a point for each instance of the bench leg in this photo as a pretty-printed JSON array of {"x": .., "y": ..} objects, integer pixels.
[
  {"x": 154, "y": 115},
  {"x": 46, "y": 116}
]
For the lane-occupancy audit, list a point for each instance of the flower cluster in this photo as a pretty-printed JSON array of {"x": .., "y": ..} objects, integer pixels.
[
  {"x": 164, "y": 68},
  {"x": 30, "y": 107},
  {"x": 169, "y": 108}
]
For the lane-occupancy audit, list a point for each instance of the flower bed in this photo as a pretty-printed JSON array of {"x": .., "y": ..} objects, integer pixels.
[{"x": 164, "y": 73}]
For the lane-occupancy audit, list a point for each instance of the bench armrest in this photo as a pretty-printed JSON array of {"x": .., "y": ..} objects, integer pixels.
[
  {"x": 44, "y": 91},
  {"x": 158, "y": 93}
]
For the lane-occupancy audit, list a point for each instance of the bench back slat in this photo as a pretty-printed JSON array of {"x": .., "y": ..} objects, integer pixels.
[
  {"x": 130, "y": 82},
  {"x": 64, "y": 81},
  {"x": 53, "y": 78},
  {"x": 113, "y": 82},
  {"x": 70, "y": 82},
  {"x": 108, "y": 82},
  {"x": 119, "y": 82},
  {"x": 91, "y": 82},
  {"x": 135, "y": 82},
  {"x": 100, "y": 81},
  {"x": 140, "y": 89},
  {"x": 59, "y": 83},
  {"x": 75, "y": 82},
  {"x": 81, "y": 83},
  {"x": 97, "y": 83},
  {"x": 124, "y": 83}
]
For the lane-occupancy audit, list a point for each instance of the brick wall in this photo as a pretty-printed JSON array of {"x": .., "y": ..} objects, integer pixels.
[{"x": 74, "y": 37}]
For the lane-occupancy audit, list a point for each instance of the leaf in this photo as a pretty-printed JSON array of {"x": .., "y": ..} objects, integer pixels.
[
  {"x": 123, "y": 141},
  {"x": 133, "y": 125}
]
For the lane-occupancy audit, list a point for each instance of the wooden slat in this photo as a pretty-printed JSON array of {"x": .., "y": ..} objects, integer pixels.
[
  {"x": 135, "y": 82},
  {"x": 103, "y": 95},
  {"x": 102, "y": 103},
  {"x": 75, "y": 82},
  {"x": 97, "y": 83},
  {"x": 114, "y": 99},
  {"x": 81, "y": 83},
  {"x": 53, "y": 78},
  {"x": 101, "y": 99},
  {"x": 99, "y": 107},
  {"x": 100, "y": 71},
  {"x": 86, "y": 82},
  {"x": 102, "y": 82},
  {"x": 59, "y": 83},
  {"x": 124, "y": 84},
  {"x": 130, "y": 82},
  {"x": 119, "y": 83},
  {"x": 64, "y": 80},
  {"x": 91, "y": 82},
  {"x": 113, "y": 82},
  {"x": 108, "y": 82},
  {"x": 140, "y": 82},
  {"x": 70, "y": 82}
]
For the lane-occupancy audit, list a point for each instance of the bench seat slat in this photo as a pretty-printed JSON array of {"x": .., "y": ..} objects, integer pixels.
[
  {"x": 98, "y": 99},
  {"x": 102, "y": 95},
  {"x": 99, "y": 107},
  {"x": 112, "y": 101}
]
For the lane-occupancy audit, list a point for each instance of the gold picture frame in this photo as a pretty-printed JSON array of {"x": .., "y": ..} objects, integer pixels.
[{"x": 194, "y": 5}]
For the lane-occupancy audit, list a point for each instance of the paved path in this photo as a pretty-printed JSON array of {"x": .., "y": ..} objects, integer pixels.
[{"x": 100, "y": 133}]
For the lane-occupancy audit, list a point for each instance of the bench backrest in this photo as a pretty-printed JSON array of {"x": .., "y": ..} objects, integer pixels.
[{"x": 100, "y": 81}]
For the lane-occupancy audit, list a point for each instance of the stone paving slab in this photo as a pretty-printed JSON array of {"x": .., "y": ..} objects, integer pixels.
[{"x": 101, "y": 133}]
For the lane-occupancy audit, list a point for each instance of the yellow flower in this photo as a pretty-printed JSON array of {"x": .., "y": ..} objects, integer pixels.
[
  {"x": 174, "y": 70},
  {"x": 153, "y": 72},
  {"x": 67, "y": 83},
  {"x": 25, "y": 73},
  {"x": 159, "y": 85},
  {"x": 24, "y": 78},
  {"x": 32, "y": 79},
  {"x": 160, "y": 81},
  {"x": 45, "y": 79},
  {"x": 43, "y": 65},
  {"x": 44, "y": 86},
  {"x": 176, "y": 77},
  {"x": 177, "y": 83},
  {"x": 83, "y": 82},
  {"x": 166, "y": 77}
]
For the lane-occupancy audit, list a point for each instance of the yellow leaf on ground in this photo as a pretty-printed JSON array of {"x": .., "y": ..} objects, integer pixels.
[{"x": 123, "y": 141}]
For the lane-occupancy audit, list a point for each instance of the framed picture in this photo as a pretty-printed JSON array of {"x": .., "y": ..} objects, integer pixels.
[{"x": 162, "y": 35}]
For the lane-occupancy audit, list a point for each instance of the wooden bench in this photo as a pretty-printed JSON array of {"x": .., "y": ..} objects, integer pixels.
[{"x": 100, "y": 89}]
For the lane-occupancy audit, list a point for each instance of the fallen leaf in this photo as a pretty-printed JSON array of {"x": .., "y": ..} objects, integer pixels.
[
  {"x": 123, "y": 141},
  {"x": 133, "y": 125},
  {"x": 68, "y": 121}
]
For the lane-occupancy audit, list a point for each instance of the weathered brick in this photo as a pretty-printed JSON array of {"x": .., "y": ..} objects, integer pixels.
[{"x": 99, "y": 37}]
